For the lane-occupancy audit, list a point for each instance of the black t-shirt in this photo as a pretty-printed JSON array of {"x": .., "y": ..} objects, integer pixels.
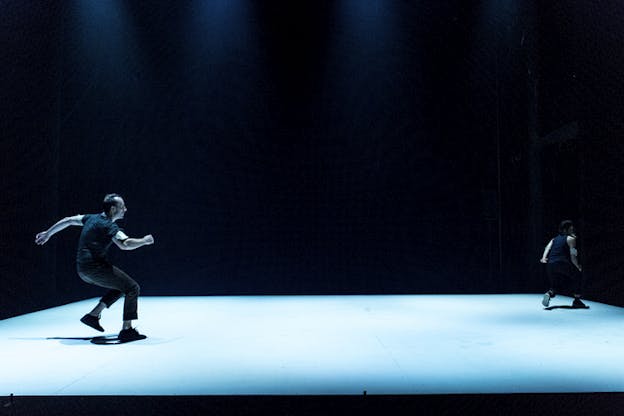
[{"x": 96, "y": 237}]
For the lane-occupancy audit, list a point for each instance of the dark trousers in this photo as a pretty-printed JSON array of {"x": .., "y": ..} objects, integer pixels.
[
  {"x": 564, "y": 274},
  {"x": 119, "y": 283}
]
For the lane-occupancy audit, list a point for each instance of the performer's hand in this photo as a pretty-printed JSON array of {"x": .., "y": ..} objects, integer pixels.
[
  {"x": 42, "y": 238},
  {"x": 148, "y": 239},
  {"x": 544, "y": 260}
]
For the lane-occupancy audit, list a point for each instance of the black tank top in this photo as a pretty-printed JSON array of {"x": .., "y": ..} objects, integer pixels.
[{"x": 560, "y": 250}]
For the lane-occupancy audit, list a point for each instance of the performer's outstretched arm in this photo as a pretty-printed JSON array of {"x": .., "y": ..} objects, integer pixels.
[
  {"x": 126, "y": 243},
  {"x": 44, "y": 236}
]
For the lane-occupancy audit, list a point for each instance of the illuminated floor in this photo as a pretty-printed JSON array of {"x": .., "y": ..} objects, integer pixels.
[{"x": 320, "y": 345}]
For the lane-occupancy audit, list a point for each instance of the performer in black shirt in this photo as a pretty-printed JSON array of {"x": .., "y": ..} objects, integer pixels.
[{"x": 99, "y": 231}]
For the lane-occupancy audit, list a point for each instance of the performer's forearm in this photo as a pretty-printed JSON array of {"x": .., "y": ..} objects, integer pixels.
[
  {"x": 59, "y": 226},
  {"x": 134, "y": 243},
  {"x": 546, "y": 251},
  {"x": 574, "y": 260}
]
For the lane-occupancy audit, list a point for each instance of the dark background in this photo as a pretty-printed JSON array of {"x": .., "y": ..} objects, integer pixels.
[{"x": 312, "y": 147}]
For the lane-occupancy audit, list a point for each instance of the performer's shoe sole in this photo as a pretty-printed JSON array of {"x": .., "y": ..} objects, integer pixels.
[{"x": 546, "y": 299}]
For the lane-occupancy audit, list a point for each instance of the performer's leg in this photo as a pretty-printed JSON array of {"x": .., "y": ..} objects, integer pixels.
[
  {"x": 554, "y": 277},
  {"x": 91, "y": 275},
  {"x": 111, "y": 297},
  {"x": 119, "y": 282},
  {"x": 551, "y": 271},
  {"x": 97, "y": 311},
  {"x": 578, "y": 281},
  {"x": 102, "y": 276},
  {"x": 131, "y": 290},
  {"x": 578, "y": 286}
]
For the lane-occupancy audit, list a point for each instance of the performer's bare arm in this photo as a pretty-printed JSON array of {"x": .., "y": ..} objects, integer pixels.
[
  {"x": 44, "y": 236},
  {"x": 573, "y": 252},
  {"x": 126, "y": 243},
  {"x": 544, "y": 258}
]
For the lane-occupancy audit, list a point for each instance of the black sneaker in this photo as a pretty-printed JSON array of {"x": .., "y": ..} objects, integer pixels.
[
  {"x": 577, "y": 303},
  {"x": 127, "y": 335},
  {"x": 92, "y": 321}
]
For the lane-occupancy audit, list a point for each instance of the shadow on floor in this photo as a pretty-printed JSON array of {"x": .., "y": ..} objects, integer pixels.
[{"x": 550, "y": 308}]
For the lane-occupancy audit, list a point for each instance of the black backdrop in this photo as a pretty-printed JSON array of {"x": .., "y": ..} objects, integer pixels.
[{"x": 327, "y": 147}]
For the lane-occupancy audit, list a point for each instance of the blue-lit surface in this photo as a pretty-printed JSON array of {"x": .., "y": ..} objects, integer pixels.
[{"x": 320, "y": 345}]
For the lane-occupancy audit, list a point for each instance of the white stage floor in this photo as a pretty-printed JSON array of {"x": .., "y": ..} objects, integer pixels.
[{"x": 317, "y": 345}]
